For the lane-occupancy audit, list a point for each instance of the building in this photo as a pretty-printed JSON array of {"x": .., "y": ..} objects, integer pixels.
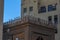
[
  {"x": 44, "y": 9},
  {"x": 29, "y": 28},
  {"x": 1, "y": 18},
  {"x": 32, "y": 25}
]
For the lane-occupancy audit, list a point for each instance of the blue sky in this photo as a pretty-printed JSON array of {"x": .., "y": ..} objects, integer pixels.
[{"x": 12, "y": 9}]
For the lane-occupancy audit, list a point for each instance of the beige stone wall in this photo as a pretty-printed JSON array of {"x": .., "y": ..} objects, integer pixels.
[
  {"x": 1, "y": 19},
  {"x": 28, "y": 3},
  {"x": 46, "y": 14}
]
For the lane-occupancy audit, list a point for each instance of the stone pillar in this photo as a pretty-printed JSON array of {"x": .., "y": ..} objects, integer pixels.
[{"x": 1, "y": 18}]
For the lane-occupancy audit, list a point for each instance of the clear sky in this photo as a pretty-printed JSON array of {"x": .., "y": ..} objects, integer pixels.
[{"x": 12, "y": 9}]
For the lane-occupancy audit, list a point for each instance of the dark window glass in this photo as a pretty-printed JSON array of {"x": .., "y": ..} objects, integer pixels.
[
  {"x": 54, "y": 7},
  {"x": 42, "y": 9},
  {"x": 39, "y": 38},
  {"x": 31, "y": 9},
  {"x": 55, "y": 19},
  {"x": 25, "y": 10},
  {"x": 50, "y": 18},
  {"x": 51, "y": 7}
]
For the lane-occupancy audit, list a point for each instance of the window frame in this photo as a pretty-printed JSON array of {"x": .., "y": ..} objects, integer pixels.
[
  {"x": 24, "y": 10},
  {"x": 42, "y": 9},
  {"x": 55, "y": 19},
  {"x": 31, "y": 8},
  {"x": 49, "y": 19},
  {"x": 51, "y": 8}
]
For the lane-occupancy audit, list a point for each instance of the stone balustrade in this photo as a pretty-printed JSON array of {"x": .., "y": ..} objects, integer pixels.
[{"x": 30, "y": 19}]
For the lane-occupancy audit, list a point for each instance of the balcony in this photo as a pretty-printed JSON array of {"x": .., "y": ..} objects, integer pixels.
[{"x": 30, "y": 19}]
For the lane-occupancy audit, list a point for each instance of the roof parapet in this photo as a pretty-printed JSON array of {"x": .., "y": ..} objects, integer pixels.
[{"x": 30, "y": 19}]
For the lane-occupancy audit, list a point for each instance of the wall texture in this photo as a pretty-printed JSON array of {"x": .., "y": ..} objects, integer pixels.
[{"x": 1, "y": 18}]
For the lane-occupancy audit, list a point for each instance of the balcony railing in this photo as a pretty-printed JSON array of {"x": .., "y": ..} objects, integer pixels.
[{"x": 31, "y": 20}]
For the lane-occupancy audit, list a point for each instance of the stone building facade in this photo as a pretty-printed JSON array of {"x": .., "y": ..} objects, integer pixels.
[
  {"x": 29, "y": 28},
  {"x": 32, "y": 25},
  {"x": 44, "y": 9}
]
